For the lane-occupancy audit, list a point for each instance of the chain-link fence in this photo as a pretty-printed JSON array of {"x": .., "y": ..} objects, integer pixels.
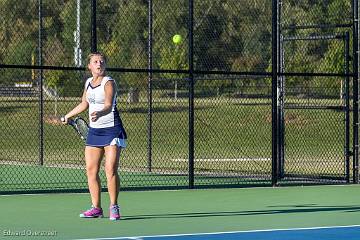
[{"x": 255, "y": 93}]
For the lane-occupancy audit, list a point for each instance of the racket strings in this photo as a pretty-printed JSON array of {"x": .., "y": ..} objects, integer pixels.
[{"x": 82, "y": 127}]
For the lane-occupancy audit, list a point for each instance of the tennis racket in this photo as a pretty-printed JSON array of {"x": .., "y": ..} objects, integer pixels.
[{"x": 80, "y": 126}]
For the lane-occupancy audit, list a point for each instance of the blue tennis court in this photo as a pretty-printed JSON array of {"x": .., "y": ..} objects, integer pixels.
[{"x": 323, "y": 233}]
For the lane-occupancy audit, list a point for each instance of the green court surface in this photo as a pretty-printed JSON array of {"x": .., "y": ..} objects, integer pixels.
[{"x": 147, "y": 213}]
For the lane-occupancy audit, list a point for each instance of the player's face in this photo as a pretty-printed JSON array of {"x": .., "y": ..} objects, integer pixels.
[{"x": 97, "y": 65}]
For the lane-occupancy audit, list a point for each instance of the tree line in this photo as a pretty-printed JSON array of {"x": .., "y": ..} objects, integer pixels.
[{"x": 229, "y": 35}]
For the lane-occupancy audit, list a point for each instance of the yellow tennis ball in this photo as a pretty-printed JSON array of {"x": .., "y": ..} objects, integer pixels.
[{"x": 177, "y": 38}]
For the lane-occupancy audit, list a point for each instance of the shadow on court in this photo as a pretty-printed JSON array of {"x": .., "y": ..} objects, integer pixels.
[{"x": 296, "y": 209}]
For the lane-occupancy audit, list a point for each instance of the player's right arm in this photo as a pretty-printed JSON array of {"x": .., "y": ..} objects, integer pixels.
[{"x": 82, "y": 106}]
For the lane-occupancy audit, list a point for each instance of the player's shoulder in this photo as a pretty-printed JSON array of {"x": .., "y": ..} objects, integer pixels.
[
  {"x": 107, "y": 79},
  {"x": 87, "y": 82}
]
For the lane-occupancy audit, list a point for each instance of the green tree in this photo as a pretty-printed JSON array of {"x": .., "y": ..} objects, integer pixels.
[
  {"x": 174, "y": 58},
  {"x": 333, "y": 62},
  {"x": 127, "y": 46},
  {"x": 17, "y": 30}
]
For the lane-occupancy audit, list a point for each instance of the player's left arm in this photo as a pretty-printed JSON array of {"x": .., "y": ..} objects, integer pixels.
[{"x": 109, "y": 96}]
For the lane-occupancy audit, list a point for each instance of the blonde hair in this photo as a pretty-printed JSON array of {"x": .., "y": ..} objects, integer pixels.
[{"x": 95, "y": 54}]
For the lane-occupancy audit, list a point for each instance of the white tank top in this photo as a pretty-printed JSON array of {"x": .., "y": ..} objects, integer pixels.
[{"x": 95, "y": 96}]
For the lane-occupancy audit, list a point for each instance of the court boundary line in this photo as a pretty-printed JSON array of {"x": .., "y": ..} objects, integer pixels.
[
  {"x": 215, "y": 160},
  {"x": 219, "y": 233},
  {"x": 198, "y": 189}
]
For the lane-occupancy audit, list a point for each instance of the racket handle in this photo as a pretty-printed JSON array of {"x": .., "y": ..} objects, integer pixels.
[{"x": 69, "y": 121}]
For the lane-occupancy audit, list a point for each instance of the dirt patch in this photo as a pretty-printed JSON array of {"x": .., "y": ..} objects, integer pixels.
[
  {"x": 52, "y": 120},
  {"x": 292, "y": 118}
]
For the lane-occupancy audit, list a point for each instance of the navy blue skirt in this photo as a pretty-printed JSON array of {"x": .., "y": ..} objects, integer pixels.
[{"x": 100, "y": 137}]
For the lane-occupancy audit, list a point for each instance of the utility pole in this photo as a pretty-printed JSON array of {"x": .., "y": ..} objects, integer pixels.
[{"x": 77, "y": 49}]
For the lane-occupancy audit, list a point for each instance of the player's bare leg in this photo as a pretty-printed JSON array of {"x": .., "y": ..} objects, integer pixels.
[
  {"x": 93, "y": 156},
  {"x": 112, "y": 154}
]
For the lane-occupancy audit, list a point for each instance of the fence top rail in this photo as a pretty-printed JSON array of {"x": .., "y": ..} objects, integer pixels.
[{"x": 317, "y": 26}]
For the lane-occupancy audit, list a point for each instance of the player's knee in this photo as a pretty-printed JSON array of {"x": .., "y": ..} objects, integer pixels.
[
  {"x": 110, "y": 171},
  {"x": 91, "y": 171}
]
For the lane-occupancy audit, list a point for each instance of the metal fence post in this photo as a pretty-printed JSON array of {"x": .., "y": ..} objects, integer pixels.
[
  {"x": 347, "y": 107},
  {"x": 93, "y": 27},
  {"x": 40, "y": 86},
  {"x": 355, "y": 92},
  {"x": 150, "y": 66},
  {"x": 281, "y": 95},
  {"x": 191, "y": 94},
  {"x": 275, "y": 100}
]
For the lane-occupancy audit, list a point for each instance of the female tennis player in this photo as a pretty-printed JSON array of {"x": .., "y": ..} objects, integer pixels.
[{"x": 106, "y": 135}]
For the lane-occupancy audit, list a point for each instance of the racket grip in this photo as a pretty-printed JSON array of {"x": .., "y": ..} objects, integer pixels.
[{"x": 69, "y": 121}]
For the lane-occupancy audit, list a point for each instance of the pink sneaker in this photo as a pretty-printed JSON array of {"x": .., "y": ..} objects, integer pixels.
[
  {"x": 93, "y": 212},
  {"x": 114, "y": 212}
]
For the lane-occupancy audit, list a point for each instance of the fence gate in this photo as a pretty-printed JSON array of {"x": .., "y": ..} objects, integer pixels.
[{"x": 314, "y": 115}]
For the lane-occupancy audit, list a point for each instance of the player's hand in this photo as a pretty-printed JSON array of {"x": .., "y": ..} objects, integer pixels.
[
  {"x": 64, "y": 120},
  {"x": 94, "y": 116}
]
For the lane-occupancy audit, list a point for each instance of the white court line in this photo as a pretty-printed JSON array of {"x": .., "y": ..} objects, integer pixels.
[
  {"x": 221, "y": 159},
  {"x": 218, "y": 233},
  {"x": 182, "y": 190}
]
